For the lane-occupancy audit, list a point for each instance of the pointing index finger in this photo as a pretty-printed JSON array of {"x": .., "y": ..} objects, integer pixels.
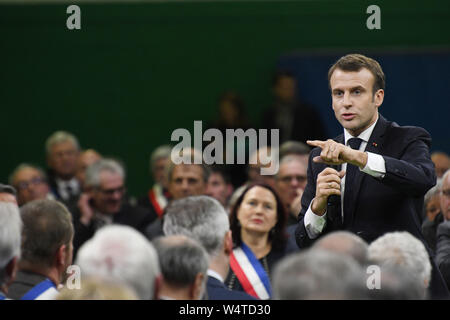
[{"x": 316, "y": 143}]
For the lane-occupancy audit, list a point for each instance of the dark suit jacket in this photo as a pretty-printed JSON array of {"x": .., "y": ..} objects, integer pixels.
[
  {"x": 218, "y": 291},
  {"x": 393, "y": 203},
  {"x": 443, "y": 250}
]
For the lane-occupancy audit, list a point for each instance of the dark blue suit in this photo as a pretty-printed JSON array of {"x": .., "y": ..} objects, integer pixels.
[
  {"x": 393, "y": 203},
  {"x": 218, "y": 291}
]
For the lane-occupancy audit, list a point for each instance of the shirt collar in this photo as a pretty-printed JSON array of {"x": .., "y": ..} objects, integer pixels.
[
  {"x": 215, "y": 275},
  {"x": 364, "y": 136}
]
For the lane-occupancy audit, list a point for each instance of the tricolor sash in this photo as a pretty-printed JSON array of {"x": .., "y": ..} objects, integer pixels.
[
  {"x": 157, "y": 199},
  {"x": 2, "y": 297},
  {"x": 38, "y": 290},
  {"x": 250, "y": 272}
]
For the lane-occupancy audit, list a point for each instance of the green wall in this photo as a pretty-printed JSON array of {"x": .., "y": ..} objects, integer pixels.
[{"x": 137, "y": 71}]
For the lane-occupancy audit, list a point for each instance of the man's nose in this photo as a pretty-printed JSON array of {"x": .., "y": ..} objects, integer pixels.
[{"x": 347, "y": 101}]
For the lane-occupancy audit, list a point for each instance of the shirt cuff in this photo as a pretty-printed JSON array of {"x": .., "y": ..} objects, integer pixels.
[
  {"x": 375, "y": 166},
  {"x": 314, "y": 224}
]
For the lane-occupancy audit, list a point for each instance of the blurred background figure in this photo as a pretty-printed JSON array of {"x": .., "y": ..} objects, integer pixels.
[
  {"x": 345, "y": 243},
  {"x": 62, "y": 150},
  {"x": 432, "y": 215},
  {"x": 184, "y": 263},
  {"x": 443, "y": 230},
  {"x": 441, "y": 162},
  {"x": 46, "y": 250},
  {"x": 295, "y": 148},
  {"x": 121, "y": 254},
  {"x": 8, "y": 194},
  {"x": 295, "y": 119},
  {"x": 204, "y": 219},
  {"x": 157, "y": 197},
  {"x": 104, "y": 202},
  {"x": 31, "y": 183},
  {"x": 403, "y": 250},
  {"x": 258, "y": 226},
  {"x": 98, "y": 289},
  {"x": 10, "y": 241},
  {"x": 85, "y": 159},
  {"x": 318, "y": 274},
  {"x": 219, "y": 185}
]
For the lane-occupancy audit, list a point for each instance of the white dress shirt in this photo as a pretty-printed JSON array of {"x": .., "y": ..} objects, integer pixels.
[{"x": 375, "y": 167}]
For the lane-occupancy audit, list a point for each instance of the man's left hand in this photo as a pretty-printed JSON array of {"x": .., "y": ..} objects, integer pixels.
[{"x": 334, "y": 153}]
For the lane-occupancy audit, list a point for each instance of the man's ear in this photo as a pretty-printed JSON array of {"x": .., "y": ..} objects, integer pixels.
[
  {"x": 11, "y": 271},
  {"x": 196, "y": 290},
  {"x": 379, "y": 97},
  {"x": 228, "y": 243},
  {"x": 61, "y": 255}
]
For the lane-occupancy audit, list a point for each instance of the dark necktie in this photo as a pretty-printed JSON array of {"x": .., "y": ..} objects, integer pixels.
[
  {"x": 349, "y": 192},
  {"x": 69, "y": 191}
]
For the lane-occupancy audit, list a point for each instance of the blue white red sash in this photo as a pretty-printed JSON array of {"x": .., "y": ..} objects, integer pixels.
[
  {"x": 38, "y": 290},
  {"x": 250, "y": 272},
  {"x": 2, "y": 297},
  {"x": 157, "y": 199}
]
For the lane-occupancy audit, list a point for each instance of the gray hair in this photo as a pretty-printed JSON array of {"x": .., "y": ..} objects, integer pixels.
[
  {"x": 405, "y": 251},
  {"x": 433, "y": 192},
  {"x": 318, "y": 274},
  {"x": 47, "y": 224},
  {"x": 200, "y": 217},
  {"x": 22, "y": 166},
  {"x": 444, "y": 176},
  {"x": 10, "y": 235},
  {"x": 344, "y": 242},
  {"x": 94, "y": 170},
  {"x": 59, "y": 137},
  {"x": 162, "y": 152},
  {"x": 4, "y": 188},
  {"x": 120, "y": 253},
  {"x": 181, "y": 259},
  {"x": 294, "y": 148}
]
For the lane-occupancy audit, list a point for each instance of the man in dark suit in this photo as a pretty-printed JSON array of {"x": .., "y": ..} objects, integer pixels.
[
  {"x": 371, "y": 179},
  {"x": 104, "y": 203}
]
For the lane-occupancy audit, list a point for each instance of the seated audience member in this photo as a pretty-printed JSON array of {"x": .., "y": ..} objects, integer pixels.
[
  {"x": 317, "y": 274},
  {"x": 98, "y": 289},
  {"x": 433, "y": 216},
  {"x": 184, "y": 180},
  {"x": 123, "y": 255},
  {"x": 183, "y": 263},
  {"x": 443, "y": 231},
  {"x": 290, "y": 181},
  {"x": 344, "y": 243},
  {"x": 62, "y": 150},
  {"x": 295, "y": 148},
  {"x": 258, "y": 229},
  {"x": 85, "y": 159},
  {"x": 8, "y": 194},
  {"x": 203, "y": 218},
  {"x": 157, "y": 197},
  {"x": 441, "y": 162},
  {"x": 103, "y": 203},
  {"x": 403, "y": 250},
  {"x": 46, "y": 250},
  {"x": 31, "y": 183},
  {"x": 295, "y": 119},
  {"x": 10, "y": 237},
  {"x": 219, "y": 186}
]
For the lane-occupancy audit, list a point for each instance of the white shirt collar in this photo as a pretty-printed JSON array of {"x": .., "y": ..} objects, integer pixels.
[
  {"x": 215, "y": 275},
  {"x": 364, "y": 136}
]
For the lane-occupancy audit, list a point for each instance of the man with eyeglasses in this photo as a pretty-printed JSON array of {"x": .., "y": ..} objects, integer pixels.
[
  {"x": 443, "y": 230},
  {"x": 31, "y": 183},
  {"x": 103, "y": 202}
]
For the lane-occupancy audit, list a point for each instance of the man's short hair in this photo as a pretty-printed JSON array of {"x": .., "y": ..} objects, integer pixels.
[
  {"x": 47, "y": 225},
  {"x": 222, "y": 171},
  {"x": 293, "y": 148},
  {"x": 355, "y": 62},
  {"x": 120, "y": 253},
  {"x": 162, "y": 152},
  {"x": 22, "y": 166},
  {"x": 318, "y": 274},
  {"x": 344, "y": 242},
  {"x": 94, "y": 170},
  {"x": 4, "y": 188},
  {"x": 181, "y": 259},
  {"x": 199, "y": 217},
  {"x": 59, "y": 137},
  {"x": 195, "y": 155},
  {"x": 405, "y": 251},
  {"x": 10, "y": 235}
]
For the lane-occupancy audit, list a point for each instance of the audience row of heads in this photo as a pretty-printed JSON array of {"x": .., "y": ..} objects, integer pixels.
[{"x": 437, "y": 199}]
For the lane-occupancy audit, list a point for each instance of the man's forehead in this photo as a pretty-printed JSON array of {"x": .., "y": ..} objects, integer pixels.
[
  {"x": 26, "y": 173},
  {"x": 348, "y": 79},
  {"x": 187, "y": 169}
]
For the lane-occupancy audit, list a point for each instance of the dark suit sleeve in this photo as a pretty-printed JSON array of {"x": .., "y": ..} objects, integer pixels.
[
  {"x": 443, "y": 250},
  {"x": 413, "y": 173}
]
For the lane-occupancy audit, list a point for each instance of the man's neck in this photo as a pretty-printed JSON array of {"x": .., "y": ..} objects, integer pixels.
[{"x": 49, "y": 272}]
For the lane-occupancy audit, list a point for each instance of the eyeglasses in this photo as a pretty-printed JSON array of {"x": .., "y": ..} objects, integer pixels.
[
  {"x": 110, "y": 192},
  {"x": 288, "y": 179},
  {"x": 446, "y": 193},
  {"x": 22, "y": 185}
]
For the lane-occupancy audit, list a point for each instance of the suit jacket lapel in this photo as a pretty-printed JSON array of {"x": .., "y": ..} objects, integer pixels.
[{"x": 374, "y": 145}]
